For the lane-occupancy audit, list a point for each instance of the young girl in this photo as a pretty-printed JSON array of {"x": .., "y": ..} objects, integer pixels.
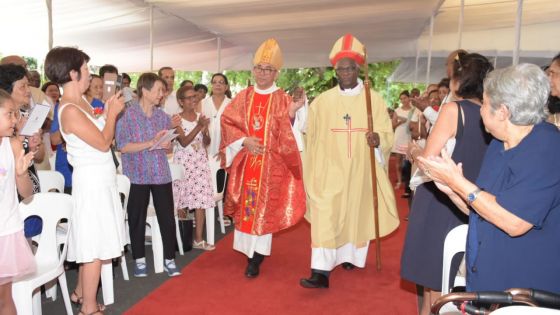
[
  {"x": 195, "y": 190},
  {"x": 16, "y": 258}
]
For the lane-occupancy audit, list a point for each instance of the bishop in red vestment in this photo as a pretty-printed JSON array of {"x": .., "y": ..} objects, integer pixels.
[{"x": 265, "y": 191}]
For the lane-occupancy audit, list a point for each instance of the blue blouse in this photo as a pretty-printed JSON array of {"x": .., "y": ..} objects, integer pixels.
[{"x": 526, "y": 182}]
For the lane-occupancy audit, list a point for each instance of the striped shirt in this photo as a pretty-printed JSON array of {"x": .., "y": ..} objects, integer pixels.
[{"x": 144, "y": 167}]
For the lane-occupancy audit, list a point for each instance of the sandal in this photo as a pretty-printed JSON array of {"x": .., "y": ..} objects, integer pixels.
[
  {"x": 98, "y": 310},
  {"x": 78, "y": 299},
  {"x": 203, "y": 245}
]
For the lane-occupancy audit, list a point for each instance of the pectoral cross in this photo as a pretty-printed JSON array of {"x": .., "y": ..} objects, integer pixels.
[
  {"x": 348, "y": 130},
  {"x": 258, "y": 118}
]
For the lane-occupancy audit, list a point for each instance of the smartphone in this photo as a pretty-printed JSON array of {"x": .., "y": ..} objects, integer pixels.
[{"x": 112, "y": 83}]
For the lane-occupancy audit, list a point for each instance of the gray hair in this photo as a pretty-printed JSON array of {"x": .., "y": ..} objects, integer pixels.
[{"x": 523, "y": 89}]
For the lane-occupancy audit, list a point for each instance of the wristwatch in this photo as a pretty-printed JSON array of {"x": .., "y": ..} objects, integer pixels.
[{"x": 471, "y": 197}]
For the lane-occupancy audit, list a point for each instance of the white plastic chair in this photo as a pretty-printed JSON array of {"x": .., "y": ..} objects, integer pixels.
[
  {"x": 123, "y": 187},
  {"x": 219, "y": 201},
  {"x": 51, "y": 208},
  {"x": 51, "y": 180},
  {"x": 177, "y": 172},
  {"x": 455, "y": 242}
]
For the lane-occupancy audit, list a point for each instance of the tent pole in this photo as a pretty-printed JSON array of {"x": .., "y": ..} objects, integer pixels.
[
  {"x": 416, "y": 63},
  {"x": 151, "y": 37},
  {"x": 461, "y": 19},
  {"x": 517, "y": 32},
  {"x": 429, "y": 65},
  {"x": 49, "y": 11},
  {"x": 219, "y": 54}
]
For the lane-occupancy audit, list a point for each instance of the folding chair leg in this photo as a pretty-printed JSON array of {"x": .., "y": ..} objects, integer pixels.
[
  {"x": 65, "y": 295},
  {"x": 157, "y": 244},
  {"x": 107, "y": 282},
  {"x": 51, "y": 290},
  {"x": 36, "y": 300},
  {"x": 178, "y": 236},
  {"x": 210, "y": 223},
  {"x": 124, "y": 267},
  {"x": 23, "y": 299},
  {"x": 221, "y": 216}
]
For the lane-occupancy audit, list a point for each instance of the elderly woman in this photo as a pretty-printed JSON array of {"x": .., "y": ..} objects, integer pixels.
[
  {"x": 514, "y": 205},
  {"x": 145, "y": 163}
]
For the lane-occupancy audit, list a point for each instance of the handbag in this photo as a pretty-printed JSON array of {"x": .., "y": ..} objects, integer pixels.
[{"x": 186, "y": 233}]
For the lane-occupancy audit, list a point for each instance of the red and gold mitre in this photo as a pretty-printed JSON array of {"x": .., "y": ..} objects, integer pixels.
[
  {"x": 347, "y": 46},
  {"x": 269, "y": 52}
]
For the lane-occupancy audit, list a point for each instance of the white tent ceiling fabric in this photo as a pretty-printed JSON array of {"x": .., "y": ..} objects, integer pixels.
[{"x": 185, "y": 32}]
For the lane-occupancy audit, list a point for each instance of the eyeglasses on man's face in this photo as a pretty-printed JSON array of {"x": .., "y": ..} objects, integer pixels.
[{"x": 264, "y": 70}]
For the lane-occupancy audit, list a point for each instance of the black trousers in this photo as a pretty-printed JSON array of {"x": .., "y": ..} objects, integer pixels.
[{"x": 137, "y": 210}]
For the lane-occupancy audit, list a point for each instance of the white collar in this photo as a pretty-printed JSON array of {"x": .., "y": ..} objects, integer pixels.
[
  {"x": 270, "y": 90},
  {"x": 353, "y": 91}
]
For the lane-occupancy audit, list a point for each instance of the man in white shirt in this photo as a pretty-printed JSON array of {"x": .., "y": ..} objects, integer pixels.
[
  {"x": 423, "y": 104},
  {"x": 170, "y": 105}
]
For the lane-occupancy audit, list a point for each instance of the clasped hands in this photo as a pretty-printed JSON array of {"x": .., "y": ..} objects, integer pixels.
[
  {"x": 442, "y": 169},
  {"x": 373, "y": 139},
  {"x": 253, "y": 145}
]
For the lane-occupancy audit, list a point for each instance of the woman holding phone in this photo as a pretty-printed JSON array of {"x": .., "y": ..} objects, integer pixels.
[
  {"x": 138, "y": 130},
  {"x": 97, "y": 230}
]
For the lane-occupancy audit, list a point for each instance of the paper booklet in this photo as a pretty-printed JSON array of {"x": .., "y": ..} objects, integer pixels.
[
  {"x": 36, "y": 119},
  {"x": 167, "y": 137}
]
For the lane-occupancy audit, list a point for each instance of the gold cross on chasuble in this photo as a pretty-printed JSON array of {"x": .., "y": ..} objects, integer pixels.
[{"x": 349, "y": 130}]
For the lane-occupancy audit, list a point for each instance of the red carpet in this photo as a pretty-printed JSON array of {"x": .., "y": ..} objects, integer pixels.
[{"x": 214, "y": 283}]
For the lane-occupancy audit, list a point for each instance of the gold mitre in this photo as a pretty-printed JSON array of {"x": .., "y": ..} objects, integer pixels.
[
  {"x": 347, "y": 46},
  {"x": 269, "y": 52}
]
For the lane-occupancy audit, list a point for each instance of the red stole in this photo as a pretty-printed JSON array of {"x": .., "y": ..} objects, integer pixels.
[{"x": 257, "y": 112}]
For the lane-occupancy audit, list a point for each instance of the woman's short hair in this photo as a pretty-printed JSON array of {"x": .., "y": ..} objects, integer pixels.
[
  {"x": 405, "y": 92},
  {"x": 60, "y": 61},
  {"x": 147, "y": 81},
  {"x": 523, "y": 89},
  {"x": 45, "y": 86},
  {"x": 10, "y": 73},
  {"x": 469, "y": 71},
  {"x": 181, "y": 92}
]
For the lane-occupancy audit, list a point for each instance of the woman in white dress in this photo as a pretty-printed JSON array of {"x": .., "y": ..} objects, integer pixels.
[
  {"x": 97, "y": 224},
  {"x": 213, "y": 107},
  {"x": 401, "y": 120}
]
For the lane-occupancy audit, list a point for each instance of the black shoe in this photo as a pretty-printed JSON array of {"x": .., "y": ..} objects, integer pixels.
[
  {"x": 252, "y": 270},
  {"x": 348, "y": 266},
  {"x": 253, "y": 264},
  {"x": 317, "y": 280}
]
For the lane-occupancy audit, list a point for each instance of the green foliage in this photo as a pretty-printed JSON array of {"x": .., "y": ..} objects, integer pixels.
[{"x": 31, "y": 63}]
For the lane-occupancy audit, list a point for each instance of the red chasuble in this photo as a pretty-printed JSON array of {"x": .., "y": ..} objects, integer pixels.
[{"x": 265, "y": 192}]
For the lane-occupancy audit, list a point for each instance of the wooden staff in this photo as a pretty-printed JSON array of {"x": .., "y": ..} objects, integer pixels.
[{"x": 372, "y": 161}]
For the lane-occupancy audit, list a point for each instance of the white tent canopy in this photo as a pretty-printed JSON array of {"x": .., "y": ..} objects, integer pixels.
[{"x": 185, "y": 33}]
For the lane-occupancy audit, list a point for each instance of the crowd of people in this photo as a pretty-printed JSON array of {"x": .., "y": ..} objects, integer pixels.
[{"x": 476, "y": 148}]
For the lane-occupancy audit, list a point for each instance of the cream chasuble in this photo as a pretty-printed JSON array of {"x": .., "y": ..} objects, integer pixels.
[{"x": 337, "y": 170}]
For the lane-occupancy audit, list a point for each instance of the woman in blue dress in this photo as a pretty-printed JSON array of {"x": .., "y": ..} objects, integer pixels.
[{"x": 514, "y": 205}]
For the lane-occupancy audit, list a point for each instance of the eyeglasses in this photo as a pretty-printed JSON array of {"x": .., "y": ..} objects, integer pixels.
[
  {"x": 189, "y": 98},
  {"x": 262, "y": 70},
  {"x": 345, "y": 69},
  {"x": 218, "y": 82}
]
